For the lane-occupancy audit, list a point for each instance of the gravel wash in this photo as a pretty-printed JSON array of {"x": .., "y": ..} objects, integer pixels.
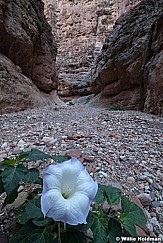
[{"x": 124, "y": 148}]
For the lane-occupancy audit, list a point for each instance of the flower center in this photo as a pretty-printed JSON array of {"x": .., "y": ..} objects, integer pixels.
[
  {"x": 68, "y": 184},
  {"x": 67, "y": 191}
]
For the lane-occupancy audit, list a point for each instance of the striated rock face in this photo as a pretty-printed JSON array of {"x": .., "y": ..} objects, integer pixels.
[
  {"x": 81, "y": 27},
  {"x": 27, "y": 46},
  {"x": 129, "y": 70}
]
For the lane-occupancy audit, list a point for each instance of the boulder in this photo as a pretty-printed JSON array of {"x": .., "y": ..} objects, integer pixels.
[{"x": 129, "y": 70}]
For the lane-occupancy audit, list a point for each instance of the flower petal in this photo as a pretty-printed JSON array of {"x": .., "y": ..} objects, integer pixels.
[
  {"x": 86, "y": 185},
  {"x": 69, "y": 170},
  {"x": 53, "y": 204},
  {"x": 73, "y": 165},
  {"x": 51, "y": 182},
  {"x": 77, "y": 209}
]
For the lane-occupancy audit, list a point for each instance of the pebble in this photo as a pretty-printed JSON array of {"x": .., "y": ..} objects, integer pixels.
[
  {"x": 131, "y": 179},
  {"x": 145, "y": 199},
  {"x": 20, "y": 188},
  {"x": 156, "y": 204},
  {"x": 147, "y": 174},
  {"x": 47, "y": 139},
  {"x": 4, "y": 145},
  {"x": 103, "y": 174}
]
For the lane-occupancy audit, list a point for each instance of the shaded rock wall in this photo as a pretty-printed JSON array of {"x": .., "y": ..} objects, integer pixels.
[
  {"x": 28, "y": 50},
  {"x": 81, "y": 27},
  {"x": 17, "y": 91},
  {"x": 129, "y": 70}
]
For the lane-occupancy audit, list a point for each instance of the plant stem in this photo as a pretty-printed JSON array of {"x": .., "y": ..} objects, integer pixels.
[{"x": 59, "y": 233}]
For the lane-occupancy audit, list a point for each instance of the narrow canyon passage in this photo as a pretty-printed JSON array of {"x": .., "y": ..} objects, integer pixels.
[
  {"x": 107, "y": 52},
  {"x": 80, "y": 29}
]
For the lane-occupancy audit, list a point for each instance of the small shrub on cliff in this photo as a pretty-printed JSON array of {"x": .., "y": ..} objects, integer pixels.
[
  {"x": 66, "y": 205},
  {"x": 116, "y": 107}
]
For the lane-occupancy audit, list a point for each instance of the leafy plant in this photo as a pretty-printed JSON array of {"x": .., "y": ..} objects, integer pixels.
[
  {"x": 116, "y": 107},
  {"x": 103, "y": 224}
]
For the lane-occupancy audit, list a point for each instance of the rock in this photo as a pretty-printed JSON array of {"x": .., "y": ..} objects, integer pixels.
[
  {"x": 83, "y": 100},
  {"x": 140, "y": 232},
  {"x": 147, "y": 174},
  {"x": 129, "y": 69},
  {"x": 20, "y": 189},
  {"x": 21, "y": 144},
  {"x": 27, "y": 54},
  {"x": 22, "y": 196},
  {"x": 155, "y": 223},
  {"x": 130, "y": 179},
  {"x": 4, "y": 145},
  {"x": 156, "y": 204},
  {"x": 74, "y": 153},
  {"x": 88, "y": 158},
  {"x": 161, "y": 237},
  {"x": 48, "y": 139},
  {"x": 103, "y": 174},
  {"x": 149, "y": 227},
  {"x": 145, "y": 199},
  {"x": 91, "y": 168},
  {"x": 122, "y": 158}
]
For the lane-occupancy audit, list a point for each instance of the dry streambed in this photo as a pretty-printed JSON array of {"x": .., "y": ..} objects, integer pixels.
[{"x": 124, "y": 148}]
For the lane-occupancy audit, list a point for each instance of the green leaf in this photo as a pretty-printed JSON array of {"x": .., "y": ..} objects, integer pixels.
[
  {"x": 23, "y": 234},
  {"x": 100, "y": 228},
  {"x": 41, "y": 221},
  {"x": 34, "y": 193},
  {"x": 100, "y": 198},
  {"x": 1, "y": 184},
  {"x": 7, "y": 163},
  {"x": 112, "y": 194},
  {"x": 36, "y": 154},
  {"x": 14, "y": 161},
  {"x": 115, "y": 230},
  {"x": 33, "y": 208},
  {"x": 21, "y": 215},
  {"x": 20, "y": 157},
  {"x": 11, "y": 196},
  {"x": 40, "y": 236},
  {"x": 31, "y": 176},
  {"x": 39, "y": 181},
  {"x": 59, "y": 158},
  {"x": 72, "y": 236},
  {"x": 11, "y": 177},
  {"x": 131, "y": 215}
]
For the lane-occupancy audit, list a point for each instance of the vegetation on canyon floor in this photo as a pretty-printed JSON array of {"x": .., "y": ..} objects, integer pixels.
[{"x": 111, "y": 215}]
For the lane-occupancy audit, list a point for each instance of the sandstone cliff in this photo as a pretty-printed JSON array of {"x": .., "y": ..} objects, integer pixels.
[
  {"x": 129, "y": 70},
  {"x": 80, "y": 28},
  {"x": 27, "y": 56}
]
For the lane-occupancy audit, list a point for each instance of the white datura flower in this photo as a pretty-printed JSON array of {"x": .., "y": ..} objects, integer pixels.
[{"x": 68, "y": 191}]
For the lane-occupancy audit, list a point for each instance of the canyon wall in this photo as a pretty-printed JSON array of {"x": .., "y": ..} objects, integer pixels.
[
  {"x": 129, "y": 70},
  {"x": 28, "y": 76},
  {"x": 80, "y": 28}
]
